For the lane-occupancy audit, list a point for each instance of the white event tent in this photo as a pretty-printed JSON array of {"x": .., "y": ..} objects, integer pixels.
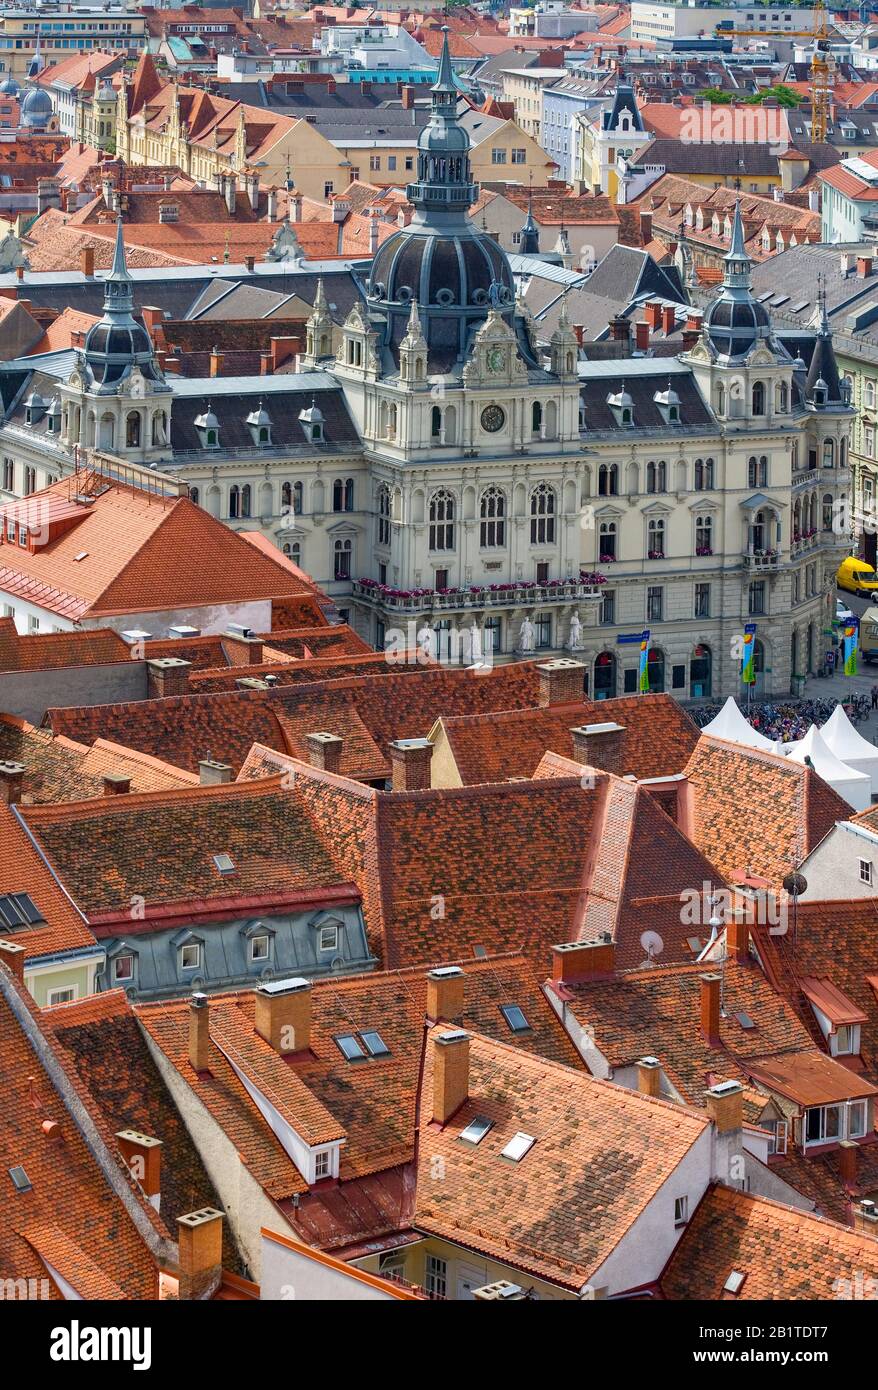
[
  {"x": 855, "y": 787},
  {"x": 731, "y": 725},
  {"x": 842, "y": 739}
]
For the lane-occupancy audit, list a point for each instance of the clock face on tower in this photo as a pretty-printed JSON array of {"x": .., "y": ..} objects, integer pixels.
[
  {"x": 493, "y": 418},
  {"x": 496, "y": 360}
]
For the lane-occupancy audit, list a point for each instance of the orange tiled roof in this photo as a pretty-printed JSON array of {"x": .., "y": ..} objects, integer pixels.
[
  {"x": 52, "y": 651},
  {"x": 758, "y": 811},
  {"x": 539, "y": 1214},
  {"x": 141, "y": 553},
  {"x": 784, "y": 1254},
  {"x": 70, "y": 1217},
  {"x": 65, "y": 330},
  {"x": 23, "y": 871}
]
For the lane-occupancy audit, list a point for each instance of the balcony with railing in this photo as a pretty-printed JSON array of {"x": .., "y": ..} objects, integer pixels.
[
  {"x": 762, "y": 561},
  {"x": 511, "y": 595}
]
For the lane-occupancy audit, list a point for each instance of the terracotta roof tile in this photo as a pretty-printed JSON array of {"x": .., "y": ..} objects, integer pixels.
[
  {"x": 51, "y": 651},
  {"x": 63, "y": 928}
]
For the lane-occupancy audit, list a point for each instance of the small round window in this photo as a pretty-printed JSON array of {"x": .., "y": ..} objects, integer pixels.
[
  {"x": 404, "y": 292},
  {"x": 444, "y": 296}
]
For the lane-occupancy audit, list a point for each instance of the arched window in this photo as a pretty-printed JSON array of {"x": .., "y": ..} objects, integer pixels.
[
  {"x": 655, "y": 670},
  {"x": 703, "y": 475},
  {"x": 704, "y": 535},
  {"x": 655, "y": 538},
  {"x": 294, "y": 550},
  {"x": 607, "y": 542},
  {"x": 842, "y": 453},
  {"x": 781, "y": 398},
  {"x": 794, "y": 455},
  {"x": 829, "y": 453},
  {"x": 286, "y": 495},
  {"x": 720, "y": 399},
  {"x": 383, "y": 514},
  {"x": 604, "y": 676},
  {"x": 132, "y": 429},
  {"x": 536, "y": 419},
  {"x": 245, "y": 500},
  {"x": 657, "y": 477},
  {"x": 297, "y": 499},
  {"x": 342, "y": 559},
  {"x": 542, "y": 515},
  {"x": 234, "y": 501},
  {"x": 193, "y": 495},
  {"x": 608, "y": 480},
  {"x": 827, "y": 510},
  {"x": 759, "y": 532},
  {"x": 758, "y": 398},
  {"x": 492, "y": 512},
  {"x": 701, "y": 673},
  {"x": 435, "y": 423},
  {"x": 442, "y": 520},
  {"x": 757, "y": 471}
]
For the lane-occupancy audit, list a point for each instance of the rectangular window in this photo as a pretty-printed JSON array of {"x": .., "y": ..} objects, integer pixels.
[
  {"x": 543, "y": 572},
  {"x": 655, "y": 603},
  {"x": 608, "y": 606},
  {"x": 857, "y": 1118},
  {"x": 629, "y": 680},
  {"x": 498, "y": 156},
  {"x": 8, "y": 475},
  {"x": 61, "y": 996},
  {"x": 33, "y": 624},
  {"x": 30, "y": 481},
  {"x": 519, "y": 156},
  {"x": 436, "y": 1277},
  {"x": 391, "y": 163},
  {"x": 822, "y": 1124},
  {"x": 702, "y": 600},
  {"x": 259, "y": 948},
  {"x": 756, "y": 597},
  {"x": 374, "y": 162},
  {"x": 865, "y": 871},
  {"x": 329, "y": 938},
  {"x": 190, "y": 956},
  {"x": 328, "y": 188},
  {"x": 409, "y": 163},
  {"x": 543, "y": 625},
  {"x": 777, "y": 1143},
  {"x": 123, "y": 968},
  {"x": 441, "y": 580},
  {"x": 681, "y": 1211},
  {"x": 322, "y": 1165}
]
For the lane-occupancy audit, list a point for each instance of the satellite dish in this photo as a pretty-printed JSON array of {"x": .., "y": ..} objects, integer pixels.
[
  {"x": 795, "y": 884},
  {"x": 652, "y": 944}
]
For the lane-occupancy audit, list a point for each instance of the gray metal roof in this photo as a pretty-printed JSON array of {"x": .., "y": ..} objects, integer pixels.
[{"x": 257, "y": 385}]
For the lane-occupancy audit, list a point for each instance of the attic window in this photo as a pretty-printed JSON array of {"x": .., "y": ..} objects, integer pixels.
[
  {"x": 694, "y": 944},
  {"x": 515, "y": 1018},
  {"x": 225, "y": 863},
  {"x": 518, "y": 1146},
  {"x": 375, "y": 1044},
  {"x": 18, "y": 910},
  {"x": 734, "y": 1283},
  {"x": 20, "y": 1180},
  {"x": 745, "y": 1020},
  {"x": 476, "y": 1130},
  {"x": 350, "y": 1047},
  {"x": 83, "y": 555}
]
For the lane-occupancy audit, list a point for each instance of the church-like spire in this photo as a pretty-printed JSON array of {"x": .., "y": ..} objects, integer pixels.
[
  {"x": 444, "y": 84},
  {"x": 737, "y": 263},
  {"x": 530, "y": 236},
  {"x": 118, "y": 285},
  {"x": 444, "y": 179}
]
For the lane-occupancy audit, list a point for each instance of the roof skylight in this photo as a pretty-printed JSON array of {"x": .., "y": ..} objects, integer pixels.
[
  {"x": 350, "y": 1047},
  {"x": 20, "y": 1180},
  {"x": 515, "y": 1018},
  {"x": 518, "y": 1146},
  {"x": 476, "y": 1130},
  {"x": 18, "y": 910},
  {"x": 375, "y": 1044},
  {"x": 225, "y": 863}
]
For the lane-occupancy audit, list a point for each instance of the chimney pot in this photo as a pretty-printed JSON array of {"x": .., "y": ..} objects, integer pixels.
[
  {"x": 12, "y": 955},
  {"x": 864, "y": 267},
  {"x": 115, "y": 785},
  {"x": 649, "y": 1076},
  {"x": 411, "y": 759},
  {"x": 11, "y": 778},
  {"x": 167, "y": 676},
  {"x": 283, "y": 1014},
  {"x": 450, "y": 1073},
  {"x": 250, "y": 263},
  {"x": 216, "y": 362},
  {"x": 200, "y": 1250},
  {"x": 445, "y": 993},
  {"x": 620, "y": 329},
  {"x": 848, "y": 1155},
  {"x": 738, "y": 936},
  {"x": 710, "y": 990},
  {"x": 573, "y": 961},
  {"x": 641, "y": 336},
  {"x": 653, "y": 312},
  {"x": 211, "y": 774},
  {"x": 561, "y": 682},
  {"x": 199, "y": 1033},
  {"x": 324, "y": 751},
  {"x": 725, "y": 1106},
  {"x": 600, "y": 746},
  {"x": 143, "y": 1154}
]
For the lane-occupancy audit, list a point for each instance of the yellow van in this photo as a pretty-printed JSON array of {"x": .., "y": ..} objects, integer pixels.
[{"x": 857, "y": 577}]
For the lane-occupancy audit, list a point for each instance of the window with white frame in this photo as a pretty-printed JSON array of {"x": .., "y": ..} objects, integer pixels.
[
  {"x": 846, "y": 1040},
  {"x": 865, "y": 871},
  {"x": 123, "y": 968},
  {"x": 681, "y": 1211},
  {"x": 857, "y": 1118},
  {"x": 328, "y": 940},
  {"x": 778, "y": 1133},
  {"x": 259, "y": 948},
  {"x": 322, "y": 1164},
  {"x": 65, "y": 995},
  {"x": 436, "y": 1276},
  {"x": 190, "y": 956},
  {"x": 824, "y": 1124}
]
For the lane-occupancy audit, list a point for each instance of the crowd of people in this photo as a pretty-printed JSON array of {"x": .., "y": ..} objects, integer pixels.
[{"x": 789, "y": 720}]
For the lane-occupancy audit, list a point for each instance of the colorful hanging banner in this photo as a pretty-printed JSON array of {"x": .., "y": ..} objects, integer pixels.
[
  {"x": 748, "y": 661},
  {"x": 850, "y": 650},
  {"x": 643, "y": 683}
]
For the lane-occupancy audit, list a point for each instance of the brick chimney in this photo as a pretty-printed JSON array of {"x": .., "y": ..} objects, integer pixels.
[
  {"x": 410, "y": 759},
  {"x": 710, "y": 988},
  {"x": 669, "y": 318},
  {"x": 445, "y": 993},
  {"x": 725, "y": 1106},
  {"x": 641, "y": 336},
  {"x": 450, "y": 1073},
  {"x": 166, "y": 676},
  {"x": 283, "y": 1014},
  {"x": 250, "y": 263},
  {"x": 87, "y": 262},
  {"x": 11, "y": 778},
  {"x": 561, "y": 682},
  {"x": 281, "y": 349},
  {"x": 200, "y": 1248},
  {"x": 738, "y": 936},
  {"x": 216, "y": 362},
  {"x": 645, "y": 226},
  {"x": 199, "y": 1033},
  {"x": 115, "y": 785},
  {"x": 12, "y": 956},
  {"x": 242, "y": 651},
  {"x": 649, "y": 1076},
  {"x": 864, "y": 267},
  {"x": 408, "y": 96},
  {"x": 866, "y": 1217},
  {"x": 152, "y": 318},
  {"x": 620, "y": 329},
  {"x": 573, "y": 961},
  {"x": 600, "y": 746},
  {"x": 653, "y": 311},
  {"x": 211, "y": 774},
  {"x": 324, "y": 751},
  {"x": 143, "y": 1154},
  {"x": 265, "y": 364},
  {"x": 848, "y": 1158}
]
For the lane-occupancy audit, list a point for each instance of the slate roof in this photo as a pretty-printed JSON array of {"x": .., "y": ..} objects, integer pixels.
[
  {"x": 694, "y": 411},
  {"x": 287, "y": 430}
]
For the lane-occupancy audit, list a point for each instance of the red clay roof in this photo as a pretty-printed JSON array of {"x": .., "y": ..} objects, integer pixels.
[
  {"x": 63, "y": 928},
  {"x": 52, "y": 651}
]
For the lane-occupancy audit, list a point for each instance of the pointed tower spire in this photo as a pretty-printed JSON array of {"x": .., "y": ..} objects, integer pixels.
[
  {"x": 737, "y": 250},
  {"x": 445, "y": 78},
  {"x": 118, "y": 285},
  {"x": 530, "y": 236}
]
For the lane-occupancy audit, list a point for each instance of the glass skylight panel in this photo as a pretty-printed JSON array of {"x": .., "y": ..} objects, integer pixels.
[
  {"x": 225, "y": 863},
  {"x": 745, "y": 1020},
  {"x": 797, "y": 308},
  {"x": 476, "y": 1130},
  {"x": 515, "y": 1018},
  {"x": 350, "y": 1047},
  {"x": 518, "y": 1146},
  {"x": 761, "y": 298},
  {"x": 694, "y": 943},
  {"x": 20, "y": 1180},
  {"x": 18, "y": 910},
  {"x": 375, "y": 1044},
  {"x": 734, "y": 1282}
]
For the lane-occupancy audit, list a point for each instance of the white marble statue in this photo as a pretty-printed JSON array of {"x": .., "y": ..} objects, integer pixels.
[
  {"x": 574, "y": 641},
  {"x": 527, "y": 636},
  {"x": 427, "y": 642}
]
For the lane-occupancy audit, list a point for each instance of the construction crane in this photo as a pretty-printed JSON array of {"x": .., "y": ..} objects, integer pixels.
[{"x": 821, "y": 61}]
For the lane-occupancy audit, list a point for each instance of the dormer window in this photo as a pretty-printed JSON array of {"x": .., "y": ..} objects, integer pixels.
[
  {"x": 312, "y": 423},
  {"x": 622, "y": 407},
  {"x": 207, "y": 425},
  {"x": 259, "y": 424}
]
